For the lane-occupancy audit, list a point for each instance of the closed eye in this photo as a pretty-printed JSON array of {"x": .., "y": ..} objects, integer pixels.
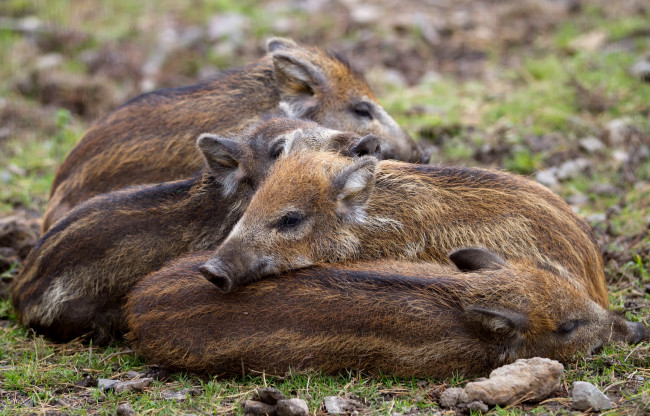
[
  {"x": 276, "y": 149},
  {"x": 289, "y": 221},
  {"x": 363, "y": 110},
  {"x": 569, "y": 326}
]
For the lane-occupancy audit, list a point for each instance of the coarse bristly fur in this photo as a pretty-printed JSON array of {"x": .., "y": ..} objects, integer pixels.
[
  {"x": 402, "y": 318},
  {"x": 317, "y": 207},
  {"x": 76, "y": 278},
  {"x": 150, "y": 138}
]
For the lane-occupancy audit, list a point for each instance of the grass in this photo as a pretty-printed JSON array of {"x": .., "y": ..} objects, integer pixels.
[{"x": 528, "y": 117}]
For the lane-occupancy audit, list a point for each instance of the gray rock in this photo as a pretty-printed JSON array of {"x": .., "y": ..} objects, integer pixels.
[
  {"x": 125, "y": 409},
  {"x": 253, "y": 407},
  {"x": 336, "y": 405},
  {"x": 231, "y": 26},
  {"x": 577, "y": 199},
  {"x": 364, "y": 14},
  {"x": 587, "y": 396},
  {"x": 531, "y": 379},
  {"x": 641, "y": 70},
  {"x": 132, "y": 385},
  {"x": 571, "y": 168},
  {"x": 605, "y": 189},
  {"x": 292, "y": 407},
  {"x": 478, "y": 406},
  {"x": 178, "y": 396},
  {"x": 453, "y": 397},
  {"x": 591, "y": 144},
  {"x": 597, "y": 217},
  {"x": 618, "y": 131},
  {"x": 133, "y": 374},
  {"x": 547, "y": 177},
  {"x": 106, "y": 384},
  {"x": 269, "y": 395}
]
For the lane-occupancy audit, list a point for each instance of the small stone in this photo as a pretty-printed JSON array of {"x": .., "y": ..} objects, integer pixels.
[
  {"x": 571, "y": 168},
  {"x": 106, "y": 384},
  {"x": 597, "y": 217},
  {"x": 292, "y": 407},
  {"x": 87, "y": 381},
  {"x": 132, "y": 385},
  {"x": 605, "y": 189},
  {"x": 365, "y": 14},
  {"x": 178, "y": 396},
  {"x": 589, "y": 42},
  {"x": 547, "y": 177},
  {"x": 577, "y": 199},
  {"x": 49, "y": 61},
  {"x": 618, "y": 131},
  {"x": 253, "y": 407},
  {"x": 620, "y": 156},
  {"x": 587, "y": 396},
  {"x": 269, "y": 395},
  {"x": 453, "y": 397},
  {"x": 332, "y": 405},
  {"x": 125, "y": 409},
  {"x": 641, "y": 70},
  {"x": 591, "y": 144},
  {"x": 531, "y": 379},
  {"x": 336, "y": 405},
  {"x": 228, "y": 26},
  {"x": 133, "y": 374},
  {"x": 478, "y": 406}
]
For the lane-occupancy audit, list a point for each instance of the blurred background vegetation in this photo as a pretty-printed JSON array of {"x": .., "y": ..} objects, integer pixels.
[{"x": 555, "y": 89}]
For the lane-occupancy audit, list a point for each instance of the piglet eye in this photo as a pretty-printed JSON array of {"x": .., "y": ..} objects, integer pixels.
[
  {"x": 289, "y": 221},
  {"x": 276, "y": 149},
  {"x": 570, "y": 326},
  {"x": 362, "y": 110}
]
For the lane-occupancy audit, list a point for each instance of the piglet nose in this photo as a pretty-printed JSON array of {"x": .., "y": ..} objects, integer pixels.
[
  {"x": 367, "y": 146},
  {"x": 215, "y": 271}
]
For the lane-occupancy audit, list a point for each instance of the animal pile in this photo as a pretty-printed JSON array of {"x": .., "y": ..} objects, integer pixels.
[{"x": 255, "y": 221}]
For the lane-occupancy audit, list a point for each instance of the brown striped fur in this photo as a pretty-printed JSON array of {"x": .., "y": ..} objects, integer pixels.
[
  {"x": 75, "y": 280},
  {"x": 318, "y": 207},
  {"x": 407, "y": 319},
  {"x": 150, "y": 138}
]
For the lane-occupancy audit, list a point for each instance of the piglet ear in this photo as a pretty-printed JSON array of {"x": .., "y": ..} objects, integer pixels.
[
  {"x": 476, "y": 258},
  {"x": 298, "y": 79},
  {"x": 223, "y": 157},
  {"x": 353, "y": 187},
  {"x": 275, "y": 44},
  {"x": 498, "y": 324}
]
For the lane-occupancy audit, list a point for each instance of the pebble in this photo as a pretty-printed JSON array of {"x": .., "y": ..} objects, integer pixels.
[
  {"x": 178, "y": 396},
  {"x": 253, "y": 407},
  {"x": 133, "y": 374},
  {"x": 571, "y": 168},
  {"x": 453, "y": 397},
  {"x": 531, "y": 379},
  {"x": 478, "y": 406},
  {"x": 269, "y": 395},
  {"x": 591, "y": 144},
  {"x": 641, "y": 70},
  {"x": 106, "y": 384},
  {"x": 587, "y": 396},
  {"x": 547, "y": 177},
  {"x": 125, "y": 409},
  {"x": 292, "y": 407},
  {"x": 338, "y": 405},
  {"x": 618, "y": 132},
  {"x": 132, "y": 385},
  {"x": 597, "y": 217}
]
